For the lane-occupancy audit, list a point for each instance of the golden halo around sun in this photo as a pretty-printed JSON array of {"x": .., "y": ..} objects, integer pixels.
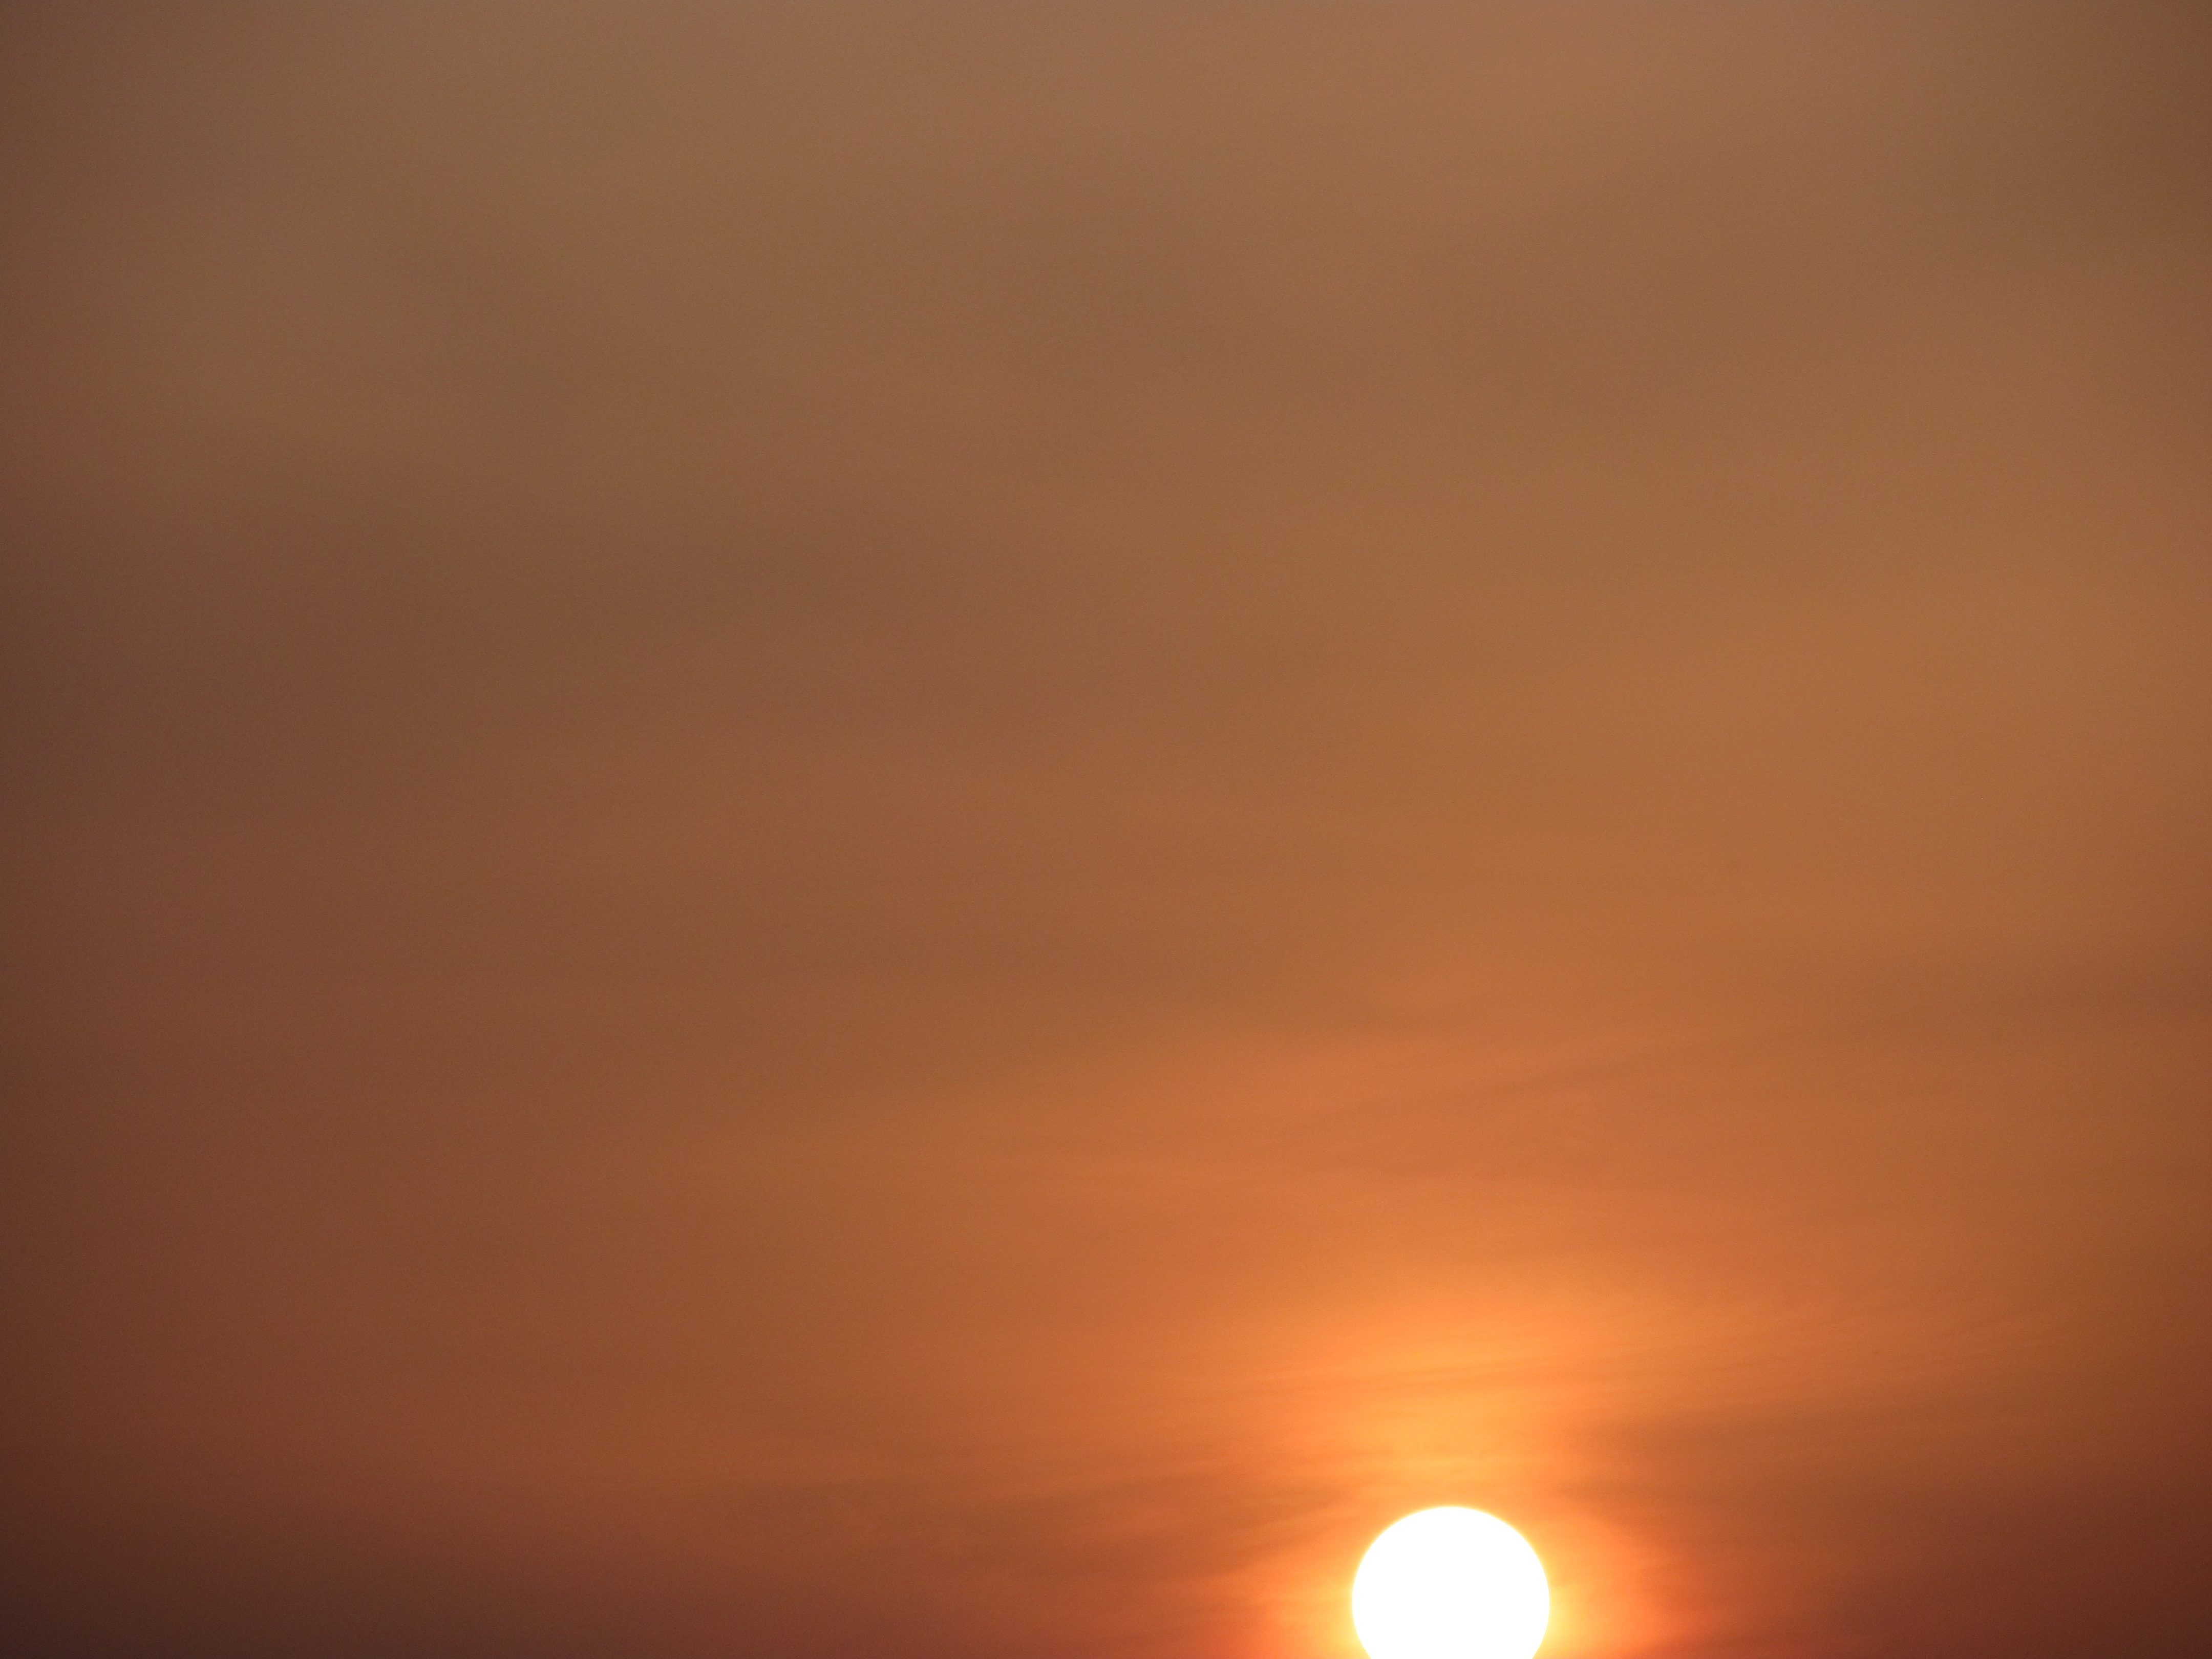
[{"x": 1450, "y": 1583}]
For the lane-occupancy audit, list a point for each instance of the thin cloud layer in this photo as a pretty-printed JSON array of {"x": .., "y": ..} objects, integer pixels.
[{"x": 908, "y": 831}]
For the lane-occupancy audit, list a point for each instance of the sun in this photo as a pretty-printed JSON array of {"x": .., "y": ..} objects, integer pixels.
[{"x": 1450, "y": 1583}]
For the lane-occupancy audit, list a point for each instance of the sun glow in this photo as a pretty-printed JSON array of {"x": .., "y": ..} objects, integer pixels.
[{"x": 1450, "y": 1583}]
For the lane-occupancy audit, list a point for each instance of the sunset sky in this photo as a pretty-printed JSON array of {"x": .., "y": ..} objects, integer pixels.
[{"x": 853, "y": 830}]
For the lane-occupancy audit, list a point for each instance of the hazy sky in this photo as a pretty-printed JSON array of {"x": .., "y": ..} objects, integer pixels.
[{"x": 931, "y": 831}]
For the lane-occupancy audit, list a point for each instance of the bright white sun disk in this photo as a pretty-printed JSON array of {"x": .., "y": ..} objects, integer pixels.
[{"x": 1450, "y": 1583}]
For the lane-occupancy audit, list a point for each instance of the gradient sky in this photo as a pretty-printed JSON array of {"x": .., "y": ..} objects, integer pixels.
[{"x": 862, "y": 831}]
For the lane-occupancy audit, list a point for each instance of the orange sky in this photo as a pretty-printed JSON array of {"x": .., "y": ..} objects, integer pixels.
[{"x": 931, "y": 831}]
